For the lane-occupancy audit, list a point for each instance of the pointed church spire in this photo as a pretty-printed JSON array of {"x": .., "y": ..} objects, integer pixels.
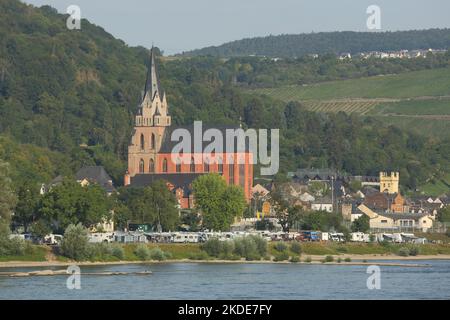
[{"x": 152, "y": 85}]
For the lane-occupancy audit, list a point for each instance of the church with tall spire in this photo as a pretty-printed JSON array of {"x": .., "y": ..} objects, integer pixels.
[{"x": 150, "y": 149}]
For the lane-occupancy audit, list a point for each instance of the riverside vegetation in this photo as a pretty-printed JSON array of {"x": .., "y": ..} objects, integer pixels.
[{"x": 75, "y": 247}]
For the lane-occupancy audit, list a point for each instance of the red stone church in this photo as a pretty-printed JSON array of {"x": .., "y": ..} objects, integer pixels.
[{"x": 150, "y": 151}]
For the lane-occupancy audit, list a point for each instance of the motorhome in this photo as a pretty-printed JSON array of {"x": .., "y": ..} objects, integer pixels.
[
  {"x": 53, "y": 239},
  {"x": 106, "y": 237},
  {"x": 184, "y": 237}
]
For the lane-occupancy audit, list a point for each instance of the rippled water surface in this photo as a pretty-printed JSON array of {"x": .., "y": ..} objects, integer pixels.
[{"x": 238, "y": 281}]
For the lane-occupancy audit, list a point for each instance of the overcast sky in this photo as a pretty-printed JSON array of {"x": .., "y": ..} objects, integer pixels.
[{"x": 181, "y": 25}]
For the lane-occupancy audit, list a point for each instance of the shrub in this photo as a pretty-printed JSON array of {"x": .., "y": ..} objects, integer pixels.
[
  {"x": 213, "y": 247},
  {"x": 157, "y": 254},
  {"x": 282, "y": 256},
  {"x": 308, "y": 260},
  {"x": 142, "y": 252},
  {"x": 14, "y": 247},
  {"x": 329, "y": 259},
  {"x": 414, "y": 251},
  {"x": 296, "y": 247},
  {"x": 118, "y": 252},
  {"x": 348, "y": 260},
  {"x": 246, "y": 247},
  {"x": 75, "y": 243},
  {"x": 227, "y": 249},
  {"x": 404, "y": 252},
  {"x": 280, "y": 246},
  {"x": 339, "y": 260},
  {"x": 261, "y": 245},
  {"x": 295, "y": 259}
]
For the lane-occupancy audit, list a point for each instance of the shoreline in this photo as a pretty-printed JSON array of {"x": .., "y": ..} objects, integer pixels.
[{"x": 355, "y": 260}]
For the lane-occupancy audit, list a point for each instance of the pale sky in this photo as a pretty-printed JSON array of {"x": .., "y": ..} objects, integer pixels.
[{"x": 181, "y": 25}]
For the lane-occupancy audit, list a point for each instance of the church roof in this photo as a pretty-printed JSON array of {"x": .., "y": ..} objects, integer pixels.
[
  {"x": 178, "y": 180},
  {"x": 167, "y": 145},
  {"x": 152, "y": 85}
]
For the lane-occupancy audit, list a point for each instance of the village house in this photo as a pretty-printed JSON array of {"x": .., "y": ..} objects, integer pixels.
[{"x": 388, "y": 222}]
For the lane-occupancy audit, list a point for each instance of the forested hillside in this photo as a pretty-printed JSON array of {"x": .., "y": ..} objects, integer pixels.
[
  {"x": 297, "y": 45},
  {"x": 67, "y": 98}
]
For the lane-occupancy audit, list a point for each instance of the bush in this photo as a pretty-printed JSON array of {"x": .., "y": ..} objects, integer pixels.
[
  {"x": 227, "y": 249},
  {"x": 246, "y": 247},
  {"x": 14, "y": 247},
  {"x": 158, "y": 254},
  {"x": 308, "y": 260},
  {"x": 75, "y": 243},
  {"x": 348, "y": 260},
  {"x": 329, "y": 259},
  {"x": 280, "y": 246},
  {"x": 296, "y": 247},
  {"x": 118, "y": 252},
  {"x": 99, "y": 251},
  {"x": 404, "y": 252},
  {"x": 414, "y": 251},
  {"x": 142, "y": 252},
  {"x": 295, "y": 259},
  {"x": 282, "y": 256},
  {"x": 261, "y": 245},
  {"x": 339, "y": 260},
  {"x": 213, "y": 247}
]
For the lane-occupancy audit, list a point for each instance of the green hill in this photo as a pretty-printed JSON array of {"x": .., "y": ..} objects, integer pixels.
[
  {"x": 297, "y": 45},
  {"x": 67, "y": 99}
]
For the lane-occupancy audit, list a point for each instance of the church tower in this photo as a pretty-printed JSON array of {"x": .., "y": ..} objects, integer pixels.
[{"x": 151, "y": 120}]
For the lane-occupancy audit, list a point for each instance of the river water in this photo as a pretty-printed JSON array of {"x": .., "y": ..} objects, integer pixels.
[{"x": 238, "y": 281}]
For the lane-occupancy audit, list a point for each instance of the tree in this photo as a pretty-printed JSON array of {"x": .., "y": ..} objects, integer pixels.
[
  {"x": 444, "y": 214},
  {"x": 218, "y": 203},
  {"x": 163, "y": 204},
  {"x": 26, "y": 210},
  {"x": 7, "y": 198},
  {"x": 155, "y": 205},
  {"x": 362, "y": 224},
  {"x": 71, "y": 203},
  {"x": 75, "y": 244}
]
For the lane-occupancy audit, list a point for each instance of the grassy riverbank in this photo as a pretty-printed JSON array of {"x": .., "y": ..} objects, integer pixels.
[{"x": 309, "y": 252}]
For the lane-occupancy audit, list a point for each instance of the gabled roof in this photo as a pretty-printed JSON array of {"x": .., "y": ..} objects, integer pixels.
[{"x": 96, "y": 174}]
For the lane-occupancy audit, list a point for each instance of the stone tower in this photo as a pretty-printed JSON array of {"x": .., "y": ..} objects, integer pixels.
[
  {"x": 389, "y": 182},
  {"x": 151, "y": 120}
]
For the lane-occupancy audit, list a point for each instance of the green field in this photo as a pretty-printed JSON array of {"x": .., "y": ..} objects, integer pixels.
[
  {"x": 434, "y": 82},
  {"x": 416, "y": 101}
]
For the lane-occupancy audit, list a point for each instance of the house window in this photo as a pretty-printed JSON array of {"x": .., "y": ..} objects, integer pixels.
[
  {"x": 151, "y": 166},
  {"x": 165, "y": 165},
  {"x": 383, "y": 221},
  {"x": 152, "y": 141},
  {"x": 141, "y": 166},
  {"x": 142, "y": 142},
  {"x": 192, "y": 167}
]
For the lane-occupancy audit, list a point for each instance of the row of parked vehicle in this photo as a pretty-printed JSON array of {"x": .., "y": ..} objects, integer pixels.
[{"x": 196, "y": 237}]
